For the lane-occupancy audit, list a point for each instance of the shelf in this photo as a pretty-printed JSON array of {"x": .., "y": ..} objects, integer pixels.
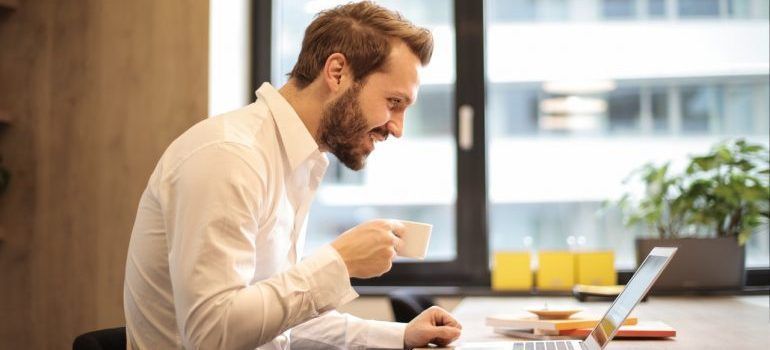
[
  {"x": 9, "y": 4},
  {"x": 5, "y": 117}
]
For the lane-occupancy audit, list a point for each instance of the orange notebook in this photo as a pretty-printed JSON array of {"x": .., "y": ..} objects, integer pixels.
[
  {"x": 646, "y": 329},
  {"x": 519, "y": 322}
]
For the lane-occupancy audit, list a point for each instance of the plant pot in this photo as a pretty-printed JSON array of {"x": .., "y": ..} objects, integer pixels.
[{"x": 700, "y": 264}]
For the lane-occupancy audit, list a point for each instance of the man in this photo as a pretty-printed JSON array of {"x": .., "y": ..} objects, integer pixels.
[{"x": 213, "y": 261}]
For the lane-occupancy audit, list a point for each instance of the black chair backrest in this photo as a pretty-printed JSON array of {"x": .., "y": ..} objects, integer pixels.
[
  {"x": 103, "y": 339},
  {"x": 407, "y": 306}
]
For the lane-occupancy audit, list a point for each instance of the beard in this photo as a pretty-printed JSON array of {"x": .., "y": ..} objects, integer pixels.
[{"x": 345, "y": 131}]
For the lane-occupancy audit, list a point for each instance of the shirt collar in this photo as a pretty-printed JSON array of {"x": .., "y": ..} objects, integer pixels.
[{"x": 298, "y": 143}]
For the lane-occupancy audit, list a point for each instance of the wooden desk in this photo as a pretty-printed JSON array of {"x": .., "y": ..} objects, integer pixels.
[{"x": 725, "y": 322}]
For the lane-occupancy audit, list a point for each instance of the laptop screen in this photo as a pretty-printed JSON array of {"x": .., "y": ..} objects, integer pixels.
[{"x": 636, "y": 288}]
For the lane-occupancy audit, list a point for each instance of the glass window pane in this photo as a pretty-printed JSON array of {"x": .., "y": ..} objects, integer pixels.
[
  {"x": 618, "y": 8},
  {"x": 573, "y": 107},
  {"x": 624, "y": 105},
  {"x": 698, "y": 8},
  {"x": 513, "y": 10},
  {"x": 412, "y": 178},
  {"x": 552, "y": 10},
  {"x": 528, "y": 10},
  {"x": 739, "y": 109},
  {"x": 660, "y": 117},
  {"x": 700, "y": 105},
  {"x": 520, "y": 104},
  {"x": 748, "y": 8},
  {"x": 656, "y": 8}
]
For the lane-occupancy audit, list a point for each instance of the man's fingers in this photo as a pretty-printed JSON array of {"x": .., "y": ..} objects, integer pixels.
[
  {"x": 443, "y": 318},
  {"x": 397, "y": 242},
  {"x": 397, "y": 227},
  {"x": 445, "y": 335}
]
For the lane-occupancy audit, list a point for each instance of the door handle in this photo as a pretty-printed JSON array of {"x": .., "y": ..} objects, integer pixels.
[{"x": 465, "y": 134}]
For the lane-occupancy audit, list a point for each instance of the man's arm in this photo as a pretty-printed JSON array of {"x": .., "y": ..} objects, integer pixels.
[
  {"x": 212, "y": 205},
  {"x": 341, "y": 331},
  {"x": 334, "y": 330}
]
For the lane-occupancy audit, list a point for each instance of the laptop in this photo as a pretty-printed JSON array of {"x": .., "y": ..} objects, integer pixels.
[{"x": 600, "y": 336}]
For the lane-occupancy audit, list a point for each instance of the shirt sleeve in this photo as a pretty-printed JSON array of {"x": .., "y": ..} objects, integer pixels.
[
  {"x": 211, "y": 205},
  {"x": 334, "y": 330}
]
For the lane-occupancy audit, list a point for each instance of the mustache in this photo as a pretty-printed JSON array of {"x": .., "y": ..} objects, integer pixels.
[{"x": 381, "y": 131}]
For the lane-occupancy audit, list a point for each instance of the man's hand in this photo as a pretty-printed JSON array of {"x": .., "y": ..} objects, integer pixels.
[
  {"x": 368, "y": 249},
  {"x": 433, "y": 325}
]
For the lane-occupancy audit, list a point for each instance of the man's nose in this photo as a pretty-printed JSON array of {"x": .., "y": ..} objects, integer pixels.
[{"x": 396, "y": 125}]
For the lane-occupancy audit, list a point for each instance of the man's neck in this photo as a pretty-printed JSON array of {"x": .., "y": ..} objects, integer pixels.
[{"x": 308, "y": 103}]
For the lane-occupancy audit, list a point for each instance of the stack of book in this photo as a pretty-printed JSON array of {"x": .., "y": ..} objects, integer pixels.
[{"x": 574, "y": 327}]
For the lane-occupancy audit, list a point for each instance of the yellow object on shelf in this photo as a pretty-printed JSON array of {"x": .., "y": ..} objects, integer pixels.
[
  {"x": 556, "y": 270},
  {"x": 511, "y": 271},
  {"x": 595, "y": 268}
]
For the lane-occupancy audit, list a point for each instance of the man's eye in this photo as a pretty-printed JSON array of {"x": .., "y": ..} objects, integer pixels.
[{"x": 394, "y": 102}]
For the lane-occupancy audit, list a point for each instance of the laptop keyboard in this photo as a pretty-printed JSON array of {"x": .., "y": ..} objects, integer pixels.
[{"x": 549, "y": 345}]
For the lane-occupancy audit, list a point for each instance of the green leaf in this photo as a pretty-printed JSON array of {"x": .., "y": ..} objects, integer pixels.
[
  {"x": 744, "y": 235},
  {"x": 754, "y": 148},
  {"x": 745, "y": 165},
  {"x": 724, "y": 155},
  {"x": 702, "y": 163}
]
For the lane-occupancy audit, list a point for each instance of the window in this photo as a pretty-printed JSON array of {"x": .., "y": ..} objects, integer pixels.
[
  {"x": 574, "y": 107},
  {"x": 566, "y": 101}
]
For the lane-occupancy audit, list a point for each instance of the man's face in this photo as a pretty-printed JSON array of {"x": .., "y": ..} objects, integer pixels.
[{"x": 371, "y": 111}]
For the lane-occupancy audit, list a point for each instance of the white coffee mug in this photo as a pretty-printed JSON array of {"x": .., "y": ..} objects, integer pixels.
[{"x": 416, "y": 237}]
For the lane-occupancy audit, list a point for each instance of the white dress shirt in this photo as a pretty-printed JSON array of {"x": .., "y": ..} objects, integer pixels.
[{"x": 212, "y": 262}]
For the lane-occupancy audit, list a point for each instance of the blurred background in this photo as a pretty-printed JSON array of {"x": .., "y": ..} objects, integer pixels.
[
  {"x": 562, "y": 100},
  {"x": 579, "y": 93}
]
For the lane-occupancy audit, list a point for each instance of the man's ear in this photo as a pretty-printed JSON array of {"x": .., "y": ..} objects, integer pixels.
[{"x": 335, "y": 72}]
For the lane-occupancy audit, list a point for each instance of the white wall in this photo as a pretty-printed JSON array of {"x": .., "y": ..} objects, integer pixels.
[{"x": 229, "y": 55}]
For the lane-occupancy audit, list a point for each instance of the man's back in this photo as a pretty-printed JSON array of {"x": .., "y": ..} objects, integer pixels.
[
  {"x": 148, "y": 295},
  {"x": 213, "y": 258}
]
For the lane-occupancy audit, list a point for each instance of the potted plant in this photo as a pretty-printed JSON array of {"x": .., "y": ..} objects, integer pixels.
[{"x": 709, "y": 211}]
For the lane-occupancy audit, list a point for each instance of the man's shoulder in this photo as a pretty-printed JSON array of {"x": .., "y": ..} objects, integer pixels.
[{"x": 248, "y": 131}]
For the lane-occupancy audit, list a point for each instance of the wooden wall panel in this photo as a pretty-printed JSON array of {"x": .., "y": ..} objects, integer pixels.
[
  {"x": 64, "y": 245},
  {"x": 114, "y": 83},
  {"x": 24, "y": 94},
  {"x": 164, "y": 93}
]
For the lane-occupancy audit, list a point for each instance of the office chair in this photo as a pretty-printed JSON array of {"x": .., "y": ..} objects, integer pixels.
[
  {"x": 103, "y": 339},
  {"x": 407, "y": 306}
]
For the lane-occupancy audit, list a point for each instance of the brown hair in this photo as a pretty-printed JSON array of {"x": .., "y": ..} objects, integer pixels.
[{"x": 361, "y": 31}]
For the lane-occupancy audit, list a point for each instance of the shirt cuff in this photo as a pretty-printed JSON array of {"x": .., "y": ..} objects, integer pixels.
[
  {"x": 328, "y": 278},
  {"x": 385, "y": 335}
]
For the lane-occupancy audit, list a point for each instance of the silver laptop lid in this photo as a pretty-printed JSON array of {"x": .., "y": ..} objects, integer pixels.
[{"x": 635, "y": 290}]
